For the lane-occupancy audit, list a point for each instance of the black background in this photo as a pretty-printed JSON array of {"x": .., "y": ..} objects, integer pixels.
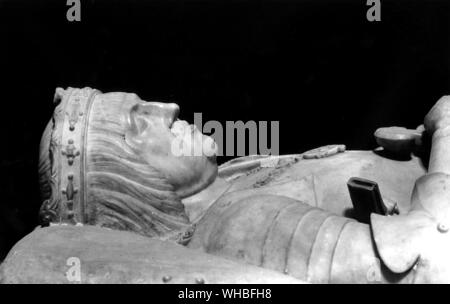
[{"x": 319, "y": 67}]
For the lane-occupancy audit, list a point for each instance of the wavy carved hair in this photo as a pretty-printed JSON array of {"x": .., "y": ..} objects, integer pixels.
[{"x": 123, "y": 191}]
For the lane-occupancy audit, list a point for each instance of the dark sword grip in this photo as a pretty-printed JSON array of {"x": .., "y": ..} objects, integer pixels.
[{"x": 366, "y": 198}]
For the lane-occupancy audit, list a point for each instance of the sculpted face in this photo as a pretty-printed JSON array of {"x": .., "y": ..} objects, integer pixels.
[{"x": 158, "y": 136}]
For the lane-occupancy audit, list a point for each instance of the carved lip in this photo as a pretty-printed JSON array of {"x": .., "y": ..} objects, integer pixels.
[
  {"x": 192, "y": 128},
  {"x": 183, "y": 128}
]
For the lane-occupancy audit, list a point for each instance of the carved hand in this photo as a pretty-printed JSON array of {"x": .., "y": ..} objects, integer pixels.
[{"x": 439, "y": 116}]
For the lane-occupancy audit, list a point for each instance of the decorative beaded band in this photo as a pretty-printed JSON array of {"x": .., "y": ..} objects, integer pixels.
[{"x": 68, "y": 145}]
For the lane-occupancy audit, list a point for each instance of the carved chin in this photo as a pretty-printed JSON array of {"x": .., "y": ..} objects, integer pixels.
[{"x": 190, "y": 186}]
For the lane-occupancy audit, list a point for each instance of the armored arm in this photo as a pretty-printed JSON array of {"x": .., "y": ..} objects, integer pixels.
[{"x": 291, "y": 237}]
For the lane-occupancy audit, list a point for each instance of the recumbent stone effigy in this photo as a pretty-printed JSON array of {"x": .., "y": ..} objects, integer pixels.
[{"x": 115, "y": 197}]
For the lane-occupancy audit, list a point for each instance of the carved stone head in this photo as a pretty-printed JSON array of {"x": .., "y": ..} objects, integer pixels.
[{"x": 106, "y": 160}]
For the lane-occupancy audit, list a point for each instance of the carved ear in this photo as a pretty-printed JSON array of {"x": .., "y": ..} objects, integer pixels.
[
  {"x": 399, "y": 239},
  {"x": 136, "y": 125},
  {"x": 135, "y": 122}
]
